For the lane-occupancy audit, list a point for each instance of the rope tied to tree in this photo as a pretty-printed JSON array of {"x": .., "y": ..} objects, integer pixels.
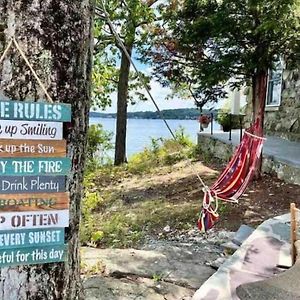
[{"x": 14, "y": 42}]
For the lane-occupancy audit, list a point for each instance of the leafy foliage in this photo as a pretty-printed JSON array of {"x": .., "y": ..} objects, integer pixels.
[
  {"x": 99, "y": 142},
  {"x": 120, "y": 32},
  {"x": 129, "y": 19},
  {"x": 207, "y": 43},
  {"x": 228, "y": 121},
  {"x": 161, "y": 152},
  {"x": 104, "y": 79}
]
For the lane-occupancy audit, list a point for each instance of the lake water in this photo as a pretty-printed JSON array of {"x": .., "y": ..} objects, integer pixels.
[{"x": 140, "y": 131}]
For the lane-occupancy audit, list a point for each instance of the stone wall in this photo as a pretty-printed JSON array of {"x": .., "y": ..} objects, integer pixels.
[
  {"x": 210, "y": 146},
  {"x": 283, "y": 120}
]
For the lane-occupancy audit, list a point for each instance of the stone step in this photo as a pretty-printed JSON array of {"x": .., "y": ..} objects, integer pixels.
[
  {"x": 184, "y": 268},
  {"x": 229, "y": 246},
  {"x": 242, "y": 234},
  {"x": 108, "y": 288}
]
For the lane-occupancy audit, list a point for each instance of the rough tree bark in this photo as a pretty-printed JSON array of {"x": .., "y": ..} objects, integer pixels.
[
  {"x": 259, "y": 98},
  {"x": 56, "y": 37},
  {"x": 121, "y": 129},
  {"x": 259, "y": 91}
]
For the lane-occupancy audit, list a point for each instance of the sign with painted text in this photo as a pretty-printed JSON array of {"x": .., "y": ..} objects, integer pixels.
[
  {"x": 30, "y": 130},
  {"x": 32, "y": 184},
  {"x": 34, "y": 219},
  {"x": 34, "y": 166},
  {"x": 39, "y": 111},
  {"x": 34, "y": 255},
  {"x": 32, "y": 148},
  {"x": 31, "y": 238},
  {"x": 28, "y": 202}
]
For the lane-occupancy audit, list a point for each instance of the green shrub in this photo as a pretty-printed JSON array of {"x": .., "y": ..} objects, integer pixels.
[
  {"x": 90, "y": 202},
  {"x": 182, "y": 138},
  {"x": 228, "y": 121},
  {"x": 119, "y": 230},
  {"x": 98, "y": 144},
  {"x": 161, "y": 152}
]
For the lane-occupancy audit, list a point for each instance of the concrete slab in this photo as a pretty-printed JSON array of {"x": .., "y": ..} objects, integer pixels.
[{"x": 281, "y": 149}]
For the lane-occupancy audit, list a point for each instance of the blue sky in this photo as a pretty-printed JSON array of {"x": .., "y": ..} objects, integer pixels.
[{"x": 158, "y": 92}]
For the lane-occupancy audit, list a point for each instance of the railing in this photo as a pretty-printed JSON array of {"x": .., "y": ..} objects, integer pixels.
[{"x": 230, "y": 116}]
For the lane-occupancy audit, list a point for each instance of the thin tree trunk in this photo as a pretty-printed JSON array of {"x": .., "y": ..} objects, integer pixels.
[
  {"x": 120, "y": 145},
  {"x": 259, "y": 102},
  {"x": 56, "y": 37}
]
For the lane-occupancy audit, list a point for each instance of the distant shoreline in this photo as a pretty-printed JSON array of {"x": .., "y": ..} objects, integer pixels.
[{"x": 169, "y": 114}]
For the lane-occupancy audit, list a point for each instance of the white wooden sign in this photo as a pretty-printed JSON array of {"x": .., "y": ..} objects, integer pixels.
[
  {"x": 32, "y": 130},
  {"x": 34, "y": 219}
]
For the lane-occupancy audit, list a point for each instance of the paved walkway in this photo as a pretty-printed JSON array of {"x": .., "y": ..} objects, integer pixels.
[
  {"x": 281, "y": 149},
  {"x": 280, "y": 156}
]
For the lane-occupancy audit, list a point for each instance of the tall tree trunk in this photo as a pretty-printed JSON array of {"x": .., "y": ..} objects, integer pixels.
[
  {"x": 120, "y": 145},
  {"x": 56, "y": 37},
  {"x": 259, "y": 92},
  {"x": 259, "y": 98}
]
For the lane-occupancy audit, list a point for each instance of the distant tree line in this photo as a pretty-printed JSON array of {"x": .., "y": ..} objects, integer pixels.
[{"x": 179, "y": 114}]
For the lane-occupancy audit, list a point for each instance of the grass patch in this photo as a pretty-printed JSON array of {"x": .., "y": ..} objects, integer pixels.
[
  {"x": 110, "y": 220},
  {"x": 128, "y": 226}
]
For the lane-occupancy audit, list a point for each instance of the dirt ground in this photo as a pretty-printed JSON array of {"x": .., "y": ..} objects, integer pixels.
[
  {"x": 263, "y": 199},
  {"x": 178, "y": 185},
  {"x": 156, "y": 213}
]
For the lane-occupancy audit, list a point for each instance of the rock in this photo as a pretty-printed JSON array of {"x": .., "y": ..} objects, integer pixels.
[
  {"x": 249, "y": 214},
  {"x": 167, "y": 229},
  {"x": 220, "y": 237},
  {"x": 176, "y": 265},
  {"x": 242, "y": 234},
  {"x": 216, "y": 263},
  {"x": 192, "y": 232},
  {"x": 230, "y": 246},
  {"x": 103, "y": 288}
]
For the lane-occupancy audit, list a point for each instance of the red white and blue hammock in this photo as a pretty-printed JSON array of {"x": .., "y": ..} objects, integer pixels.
[{"x": 233, "y": 180}]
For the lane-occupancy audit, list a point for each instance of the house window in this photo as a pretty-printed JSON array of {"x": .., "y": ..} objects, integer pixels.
[{"x": 275, "y": 85}]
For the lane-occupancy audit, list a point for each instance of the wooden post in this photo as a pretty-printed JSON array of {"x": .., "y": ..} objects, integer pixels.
[{"x": 293, "y": 232}]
